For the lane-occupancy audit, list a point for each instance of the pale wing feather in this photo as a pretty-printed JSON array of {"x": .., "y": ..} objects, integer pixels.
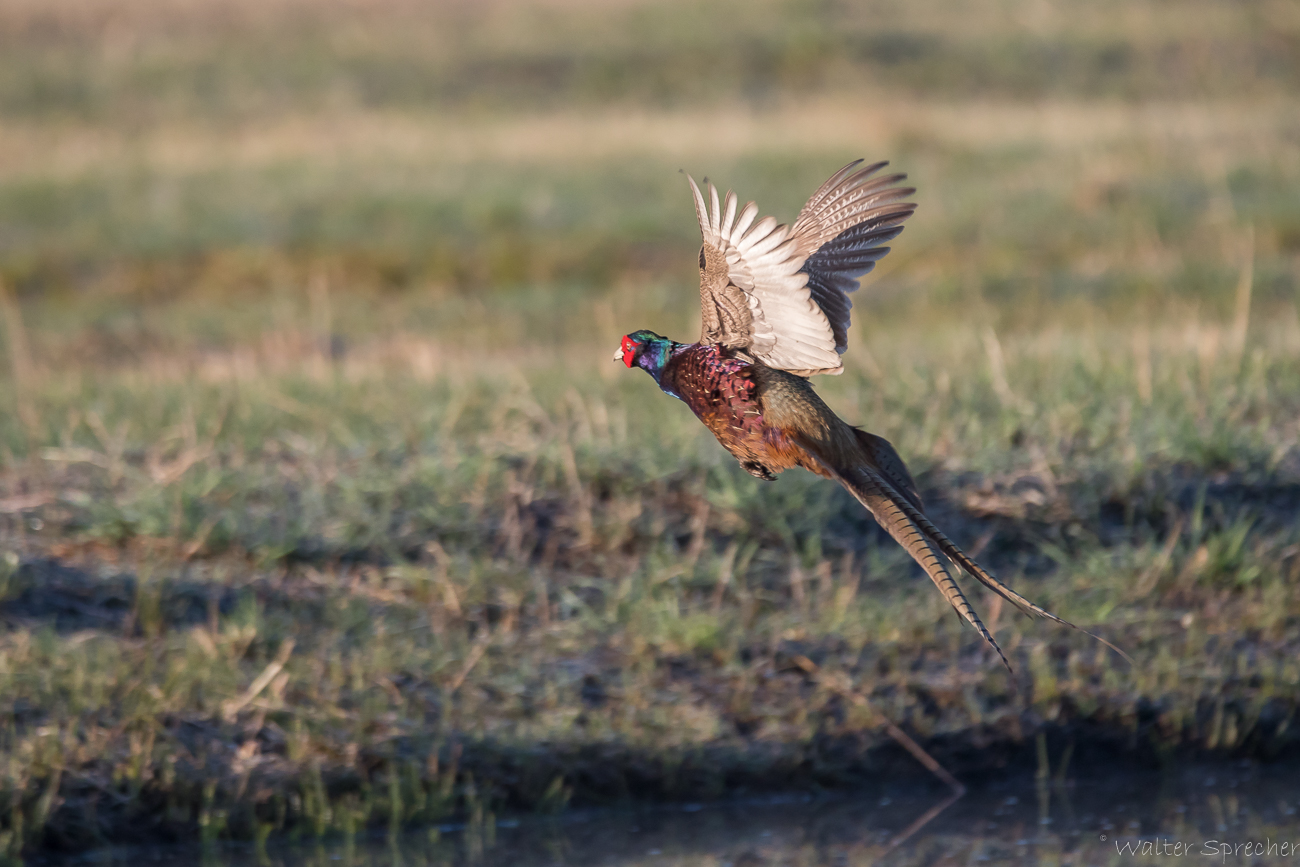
[
  {"x": 724, "y": 308},
  {"x": 786, "y": 328}
]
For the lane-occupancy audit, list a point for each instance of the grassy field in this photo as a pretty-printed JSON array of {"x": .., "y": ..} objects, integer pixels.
[{"x": 322, "y": 507}]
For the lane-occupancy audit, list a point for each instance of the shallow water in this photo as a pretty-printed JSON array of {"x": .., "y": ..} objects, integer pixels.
[{"x": 1236, "y": 815}]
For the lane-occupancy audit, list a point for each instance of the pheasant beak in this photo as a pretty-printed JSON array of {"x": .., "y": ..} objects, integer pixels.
[{"x": 618, "y": 354}]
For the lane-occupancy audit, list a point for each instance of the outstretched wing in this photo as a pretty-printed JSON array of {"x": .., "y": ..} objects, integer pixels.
[
  {"x": 779, "y": 292},
  {"x": 842, "y": 231}
]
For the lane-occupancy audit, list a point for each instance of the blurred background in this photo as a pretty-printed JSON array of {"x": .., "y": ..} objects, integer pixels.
[{"x": 322, "y": 506}]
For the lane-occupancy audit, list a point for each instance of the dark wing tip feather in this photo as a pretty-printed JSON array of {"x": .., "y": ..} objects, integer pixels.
[{"x": 834, "y": 232}]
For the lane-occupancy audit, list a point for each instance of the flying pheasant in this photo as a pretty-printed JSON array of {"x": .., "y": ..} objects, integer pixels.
[{"x": 775, "y": 312}]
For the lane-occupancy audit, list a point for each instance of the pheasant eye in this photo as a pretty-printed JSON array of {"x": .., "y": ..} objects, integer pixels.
[{"x": 701, "y": 258}]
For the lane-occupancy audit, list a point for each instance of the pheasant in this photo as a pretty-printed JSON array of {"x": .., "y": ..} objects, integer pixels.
[{"x": 775, "y": 312}]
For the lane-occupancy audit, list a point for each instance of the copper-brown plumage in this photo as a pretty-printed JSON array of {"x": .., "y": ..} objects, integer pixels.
[{"x": 775, "y": 310}]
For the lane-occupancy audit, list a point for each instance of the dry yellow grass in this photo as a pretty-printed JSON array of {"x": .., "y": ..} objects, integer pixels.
[{"x": 1220, "y": 133}]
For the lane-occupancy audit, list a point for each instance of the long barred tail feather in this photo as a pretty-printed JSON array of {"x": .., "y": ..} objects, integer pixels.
[
  {"x": 891, "y": 497},
  {"x": 884, "y": 503},
  {"x": 962, "y": 559}
]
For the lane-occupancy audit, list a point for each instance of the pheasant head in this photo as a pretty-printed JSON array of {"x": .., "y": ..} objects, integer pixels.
[{"x": 646, "y": 350}]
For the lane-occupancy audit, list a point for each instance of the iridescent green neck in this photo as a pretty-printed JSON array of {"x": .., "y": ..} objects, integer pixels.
[{"x": 654, "y": 352}]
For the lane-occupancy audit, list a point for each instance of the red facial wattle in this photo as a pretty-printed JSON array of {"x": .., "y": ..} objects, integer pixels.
[{"x": 629, "y": 351}]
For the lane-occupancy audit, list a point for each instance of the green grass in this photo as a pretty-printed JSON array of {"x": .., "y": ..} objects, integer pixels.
[
  {"x": 489, "y": 558},
  {"x": 321, "y": 506}
]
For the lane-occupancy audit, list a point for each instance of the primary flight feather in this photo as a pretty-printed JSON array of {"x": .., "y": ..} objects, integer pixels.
[{"x": 775, "y": 310}]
